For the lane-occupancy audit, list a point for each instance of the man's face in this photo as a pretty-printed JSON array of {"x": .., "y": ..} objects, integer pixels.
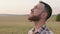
[{"x": 36, "y": 12}]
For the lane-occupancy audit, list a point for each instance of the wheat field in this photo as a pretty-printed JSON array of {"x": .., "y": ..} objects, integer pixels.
[{"x": 20, "y": 25}]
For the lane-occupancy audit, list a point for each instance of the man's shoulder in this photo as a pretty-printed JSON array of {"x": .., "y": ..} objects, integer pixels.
[
  {"x": 43, "y": 30},
  {"x": 51, "y": 32},
  {"x": 47, "y": 32}
]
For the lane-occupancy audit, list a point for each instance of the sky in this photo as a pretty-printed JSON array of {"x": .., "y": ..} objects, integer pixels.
[{"x": 24, "y": 6}]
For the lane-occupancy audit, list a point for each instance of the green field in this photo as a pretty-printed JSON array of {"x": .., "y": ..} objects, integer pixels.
[{"x": 20, "y": 25}]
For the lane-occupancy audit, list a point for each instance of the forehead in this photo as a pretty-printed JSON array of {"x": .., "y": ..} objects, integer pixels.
[{"x": 40, "y": 5}]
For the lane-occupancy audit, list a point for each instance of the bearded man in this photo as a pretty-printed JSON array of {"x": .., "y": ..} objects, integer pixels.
[{"x": 39, "y": 15}]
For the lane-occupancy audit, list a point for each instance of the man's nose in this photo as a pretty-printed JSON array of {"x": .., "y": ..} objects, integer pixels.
[{"x": 32, "y": 10}]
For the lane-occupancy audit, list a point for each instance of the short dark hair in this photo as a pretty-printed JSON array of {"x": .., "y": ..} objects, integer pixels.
[{"x": 48, "y": 9}]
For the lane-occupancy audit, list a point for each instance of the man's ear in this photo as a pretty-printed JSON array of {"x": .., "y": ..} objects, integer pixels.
[{"x": 44, "y": 15}]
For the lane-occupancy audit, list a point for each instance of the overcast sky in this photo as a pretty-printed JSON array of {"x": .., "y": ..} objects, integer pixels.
[{"x": 24, "y": 6}]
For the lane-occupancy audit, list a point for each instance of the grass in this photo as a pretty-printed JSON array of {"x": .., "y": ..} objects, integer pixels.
[{"x": 20, "y": 25}]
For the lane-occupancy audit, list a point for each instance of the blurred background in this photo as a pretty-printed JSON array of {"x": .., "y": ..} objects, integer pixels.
[{"x": 14, "y": 14}]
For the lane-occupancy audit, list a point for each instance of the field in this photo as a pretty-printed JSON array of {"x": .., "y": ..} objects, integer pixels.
[{"x": 20, "y": 24}]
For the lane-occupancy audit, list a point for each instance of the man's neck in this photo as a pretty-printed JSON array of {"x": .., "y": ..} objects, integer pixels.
[{"x": 39, "y": 24}]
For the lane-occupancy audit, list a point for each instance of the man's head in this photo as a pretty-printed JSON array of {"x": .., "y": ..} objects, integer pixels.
[{"x": 40, "y": 11}]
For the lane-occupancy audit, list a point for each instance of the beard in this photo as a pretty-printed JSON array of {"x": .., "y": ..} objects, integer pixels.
[{"x": 34, "y": 18}]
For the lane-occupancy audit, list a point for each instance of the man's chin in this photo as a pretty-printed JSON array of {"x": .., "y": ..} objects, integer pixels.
[{"x": 34, "y": 18}]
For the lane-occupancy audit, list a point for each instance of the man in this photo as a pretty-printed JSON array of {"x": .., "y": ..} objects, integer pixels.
[{"x": 39, "y": 15}]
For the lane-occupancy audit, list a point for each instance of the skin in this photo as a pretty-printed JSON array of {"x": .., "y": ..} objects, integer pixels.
[{"x": 39, "y": 10}]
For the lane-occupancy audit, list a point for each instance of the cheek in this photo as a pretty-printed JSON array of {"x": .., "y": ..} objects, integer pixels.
[
  {"x": 43, "y": 16},
  {"x": 36, "y": 12}
]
